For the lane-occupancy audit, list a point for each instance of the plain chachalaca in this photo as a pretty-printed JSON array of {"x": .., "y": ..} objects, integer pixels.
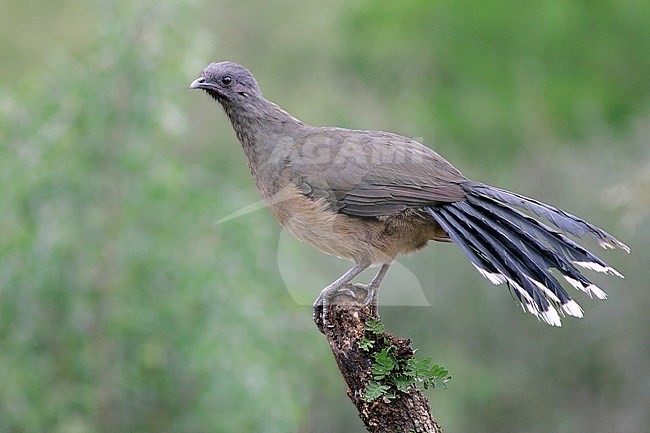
[{"x": 369, "y": 196}]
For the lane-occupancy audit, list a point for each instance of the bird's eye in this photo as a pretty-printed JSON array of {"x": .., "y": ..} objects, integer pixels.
[{"x": 226, "y": 80}]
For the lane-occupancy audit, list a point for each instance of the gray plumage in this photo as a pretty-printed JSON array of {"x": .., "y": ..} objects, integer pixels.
[{"x": 369, "y": 196}]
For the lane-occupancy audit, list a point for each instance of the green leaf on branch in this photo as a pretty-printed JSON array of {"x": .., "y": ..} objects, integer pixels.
[
  {"x": 375, "y": 326},
  {"x": 366, "y": 344},
  {"x": 385, "y": 363},
  {"x": 374, "y": 391},
  {"x": 392, "y": 374}
]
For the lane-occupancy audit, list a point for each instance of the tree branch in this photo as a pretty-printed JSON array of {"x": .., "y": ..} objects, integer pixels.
[{"x": 407, "y": 411}]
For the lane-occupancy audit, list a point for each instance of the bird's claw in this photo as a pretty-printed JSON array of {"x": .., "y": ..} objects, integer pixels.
[
  {"x": 371, "y": 299},
  {"x": 368, "y": 297},
  {"x": 323, "y": 302},
  {"x": 321, "y": 307}
]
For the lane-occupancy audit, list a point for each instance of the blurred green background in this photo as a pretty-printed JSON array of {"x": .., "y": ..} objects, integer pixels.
[{"x": 124, "y": 307}]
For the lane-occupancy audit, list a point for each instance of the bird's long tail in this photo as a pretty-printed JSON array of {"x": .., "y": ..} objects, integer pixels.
[{"x": 509, "y": 246}]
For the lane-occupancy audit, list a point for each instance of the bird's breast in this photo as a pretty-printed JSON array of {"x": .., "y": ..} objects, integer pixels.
[{"x": 363, "y": 240}]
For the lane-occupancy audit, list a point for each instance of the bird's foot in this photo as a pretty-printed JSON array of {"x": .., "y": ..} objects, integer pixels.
[
  {"x": 371, "y": 298},
  {"x": 324, "y": 300},
  {"x": 339, "y": 286}
]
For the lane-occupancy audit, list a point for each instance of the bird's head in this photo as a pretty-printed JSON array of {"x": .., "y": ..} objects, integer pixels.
[{"x": 227, "y": 81}]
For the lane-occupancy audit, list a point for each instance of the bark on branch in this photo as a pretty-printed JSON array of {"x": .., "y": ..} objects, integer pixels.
[{"x": 407, "y": 412}]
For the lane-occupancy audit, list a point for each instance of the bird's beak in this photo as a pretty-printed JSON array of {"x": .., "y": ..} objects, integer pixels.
[
  {"x": 208, "y": 86},
  {"x": 199, "y": 83}
]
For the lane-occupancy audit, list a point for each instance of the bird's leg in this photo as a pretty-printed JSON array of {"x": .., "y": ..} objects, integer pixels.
[
  {"x": 372, "y": 289},
  {"x": 328, "y": 292}
]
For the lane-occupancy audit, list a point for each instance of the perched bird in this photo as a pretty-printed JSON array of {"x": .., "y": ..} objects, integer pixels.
[{"x": 369, "y": 196}]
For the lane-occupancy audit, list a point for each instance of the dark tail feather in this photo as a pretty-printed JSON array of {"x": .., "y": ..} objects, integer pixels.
[
  {"x": 506, "y": 245},
  {"x": 562, "y": 220}
]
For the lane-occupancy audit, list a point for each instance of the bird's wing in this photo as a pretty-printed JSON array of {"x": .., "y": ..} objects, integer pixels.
[{"x": 370, "y": 173}]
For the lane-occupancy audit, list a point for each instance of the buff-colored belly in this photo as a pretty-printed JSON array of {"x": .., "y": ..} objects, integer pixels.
[{"x": 366, "y": 241}]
